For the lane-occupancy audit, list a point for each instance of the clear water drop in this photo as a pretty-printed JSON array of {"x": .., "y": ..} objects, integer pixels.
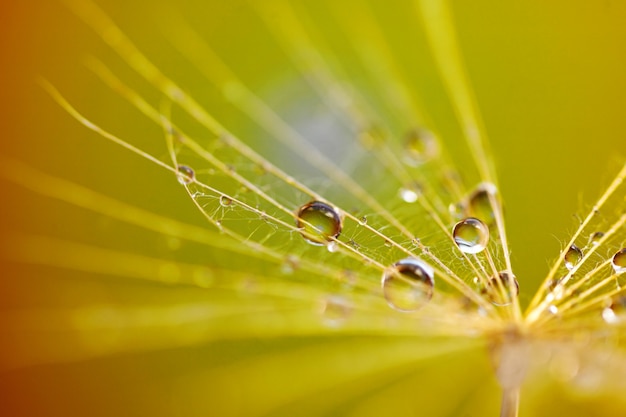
[
  {"x": 388, "y": 243},
  {"x": 572, "y": 257},
  {"x": 619, "y": 261},
  {"x": 185, "y": 175},
  {"x": 609, "y": 316},
  {"x": 363, "y": 221},
  {"x": 335, "y": 310},
  {"x": 420, "y": 146},
  {"x": 408, "y": 284},
  {"x": 226, "y": 201},
  {"x": 553, "y": 310},
  {"x": 594, "y": 238},
  {"x": 471, "y": 235},
  {"x": 319, "y": 222},
  {"x": 410, "y": 193},
  {"x": 332, "y": 246},
  {"x": 479, "y": 203},
  {"x": 290, "y": 264},
  {"x": 503, "y": 289}
]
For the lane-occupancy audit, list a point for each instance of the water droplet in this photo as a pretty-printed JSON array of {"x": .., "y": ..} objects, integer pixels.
[
  {"x": 479, "y": 204},
  {"x": 594, "y": 238},
  {"x": 388, "y": 243},
  {"x": 502, "y": 290},
  {"x": 290, "y": 264},
  {"x": 363, "y": 221},
  {"x": 609, "y": 316},
  {"x": 408, "y": 284},
  {"x": 471, "y": 235},
  {"x": 226, "y": 201},
  {"x": 323, "y": 222},
  {"x": 334, "y": 310},
  {"x": 619, "y": 261},
  {"x": 185, "y": 174},
  {"x": 572, "y": 257},
  {"x": 410, "y": 193},
  {"x": 372, "y": 137},
  {"x": 420, "y": 146},
  {"x": 553, "y": 309}
]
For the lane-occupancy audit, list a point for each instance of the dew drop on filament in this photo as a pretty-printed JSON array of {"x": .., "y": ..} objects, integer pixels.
[
  {"x": 471, "y": 235},
  {"x": 479, "y": 204},
  {"x": 503, "y": 289},
  {"x": 572, "y": 257},
  {"x": 408, "y": 284},
  {"x": 185, "y": 174},
  {"x": 594, "y": 238},
  {"x": 319, "y": 223},
  {"x": 226, "y": 201},
  {"x": 619, "y": 261}
]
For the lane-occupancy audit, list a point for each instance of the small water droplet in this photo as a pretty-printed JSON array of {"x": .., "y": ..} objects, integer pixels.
[
  {"x": 372, "y": 137},
  {"x": 410, "y": 193},
  {"x": 323, "y": 222},
  {"x": 290, "y": 264},
  {"x": 363, "y": 221},
  {"x": 619, "y": 261},
  {"x": 185, "y": 174},
  {"x": 408, "y": 284},
  {"x": 594, "y": 238},
  {"x": 420, "y": 146},
  {"x": 471, "y": 235},
  {"x": 572, "y": 257},
  {"x": 553, "y": 310},
  {"x": 456, "y": 210},
  {"x": 502, "y": 293},
  {"x": 388, "y": 243},
  {"x": 335, "y": 310},
  {"x": 332, "y": 246},
  {"x": 226, "y": 201},
  {"x": 609, "y": 316},
  {"x": 479, "y": 204}
]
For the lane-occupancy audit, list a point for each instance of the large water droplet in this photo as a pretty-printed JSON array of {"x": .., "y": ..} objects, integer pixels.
[
  {"x": 420, "y": 146},
  {"x": 185, "y": 174},
  {"x": 319, "y": 222},
  {"x": 619, "y": 261},
  {"x": 479, "y": 203},
  {"x": 471, "y": 235},
  {"x": 502, "y": 290},
  {"x": 408, "y": 284},
  {"x": 572, "y": 257}
]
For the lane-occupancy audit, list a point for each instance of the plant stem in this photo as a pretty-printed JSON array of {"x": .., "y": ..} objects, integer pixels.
[{"x": 510, "y": 402}]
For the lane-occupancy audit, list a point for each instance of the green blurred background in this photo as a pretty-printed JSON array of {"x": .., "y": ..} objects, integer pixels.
[{"x": 548, "y": 76}]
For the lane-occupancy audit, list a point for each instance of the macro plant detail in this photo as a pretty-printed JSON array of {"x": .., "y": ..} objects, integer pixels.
[{"x": 337, "y": 221}]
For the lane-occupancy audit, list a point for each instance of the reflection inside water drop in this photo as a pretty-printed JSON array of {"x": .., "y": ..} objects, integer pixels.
[
  {"x": 408, "y": 284},
  {"x": 471, "y": 235},
  {"x": 319, "y": 223}
]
